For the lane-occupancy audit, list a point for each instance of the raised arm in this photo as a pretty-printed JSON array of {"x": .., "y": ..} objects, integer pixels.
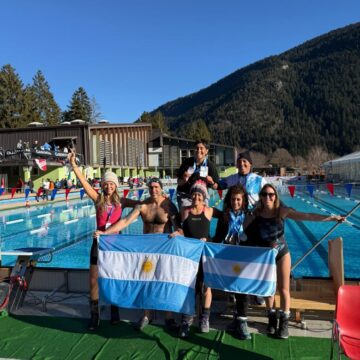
[{"x": 91, "y": 193}]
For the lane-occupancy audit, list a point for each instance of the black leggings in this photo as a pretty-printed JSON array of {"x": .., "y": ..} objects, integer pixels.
[{"x": 242, "y": 304}]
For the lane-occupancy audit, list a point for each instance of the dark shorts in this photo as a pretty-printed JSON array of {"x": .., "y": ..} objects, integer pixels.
[
  {"x": 94, "y": 253},
  {"x": 283, "y": 250}
]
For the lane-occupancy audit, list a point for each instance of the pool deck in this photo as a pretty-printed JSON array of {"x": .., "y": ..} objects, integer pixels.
[{"x": 75, "y": 305}]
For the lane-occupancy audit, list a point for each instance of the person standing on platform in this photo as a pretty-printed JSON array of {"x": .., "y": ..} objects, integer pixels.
[
  {"x": 108, "y": 205},
  {"x": 195, "y": 168},
  {"x": 159, "y": 216}
]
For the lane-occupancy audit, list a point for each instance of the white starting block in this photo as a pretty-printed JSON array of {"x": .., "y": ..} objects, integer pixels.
[{"x": 13, "y": 292}]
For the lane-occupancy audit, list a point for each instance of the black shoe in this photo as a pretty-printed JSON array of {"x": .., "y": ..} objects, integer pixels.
[
  {"x": 283, "y": 331},
  {"x": 204, "y": 323},
  {"x": 171, "y": 325},
  {"x": 272, "y": 325},
  {"x": 94, "y": 315},
  {"x": 242, "y": 330},
  {"x": 184, "y": 330},
  {"x": 233, "y": 325},
  {"x": 114, "y": 315},
  {"x": 142, "y": 323}
]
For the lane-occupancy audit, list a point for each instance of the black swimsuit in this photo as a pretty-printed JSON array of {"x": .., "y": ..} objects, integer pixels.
[
  {"x": 196, "y": 226},
  {"x": 268, "y": 232}
]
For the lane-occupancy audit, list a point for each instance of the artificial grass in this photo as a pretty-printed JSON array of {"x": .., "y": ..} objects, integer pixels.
[{"x": 31, "y": 337}]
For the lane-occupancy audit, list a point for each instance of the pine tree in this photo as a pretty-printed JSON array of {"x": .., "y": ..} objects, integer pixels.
[
  {"x": 11, "y": 98},
  {"x": 46, "y": 108},
  {"x": 80, "y": 107}
]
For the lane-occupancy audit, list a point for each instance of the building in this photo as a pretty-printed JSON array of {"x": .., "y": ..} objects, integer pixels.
[
  {"x": 166, "y": 153},
  {"x": 119, "y": 147},
  {"x": 345, "y": 168}
]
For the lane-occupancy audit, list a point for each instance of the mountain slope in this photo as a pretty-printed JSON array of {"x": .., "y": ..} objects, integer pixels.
[{"x": 309, "y": 95}]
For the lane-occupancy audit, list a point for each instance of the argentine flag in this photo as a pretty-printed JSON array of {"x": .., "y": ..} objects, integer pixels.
[
  {"x": 240, "y": 269},
  {"x": 149, "y": 271}
]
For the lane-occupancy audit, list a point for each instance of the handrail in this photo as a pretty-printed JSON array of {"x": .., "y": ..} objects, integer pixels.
[{"x": 323, "y": 237}]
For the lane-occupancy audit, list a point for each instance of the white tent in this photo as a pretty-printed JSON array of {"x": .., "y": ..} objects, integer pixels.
[{"x": 346, "y": 168}]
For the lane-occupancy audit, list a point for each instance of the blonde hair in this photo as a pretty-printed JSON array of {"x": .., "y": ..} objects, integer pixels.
[{"x": 101, "y": 202}]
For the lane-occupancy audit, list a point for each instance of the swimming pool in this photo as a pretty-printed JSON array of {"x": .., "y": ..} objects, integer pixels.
[{"x": 68, "y": 227}]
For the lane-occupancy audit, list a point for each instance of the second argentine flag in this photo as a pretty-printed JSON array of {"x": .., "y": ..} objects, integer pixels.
[
  {"x": 149, "y": 271},
  {"x": 240, "y": 269}
]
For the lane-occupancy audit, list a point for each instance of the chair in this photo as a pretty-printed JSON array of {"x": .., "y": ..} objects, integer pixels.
[{"x": 346, "y": 328}]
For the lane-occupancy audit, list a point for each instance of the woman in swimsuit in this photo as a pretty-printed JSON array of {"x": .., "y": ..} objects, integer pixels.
[
  {"x": 265, "y": 227},
  {"x": 108, "y": 205},
  {"x": 196, "y": 224}
]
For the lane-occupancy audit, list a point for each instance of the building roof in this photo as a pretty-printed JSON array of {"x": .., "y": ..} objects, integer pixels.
[{"x": 350, "y": 158}]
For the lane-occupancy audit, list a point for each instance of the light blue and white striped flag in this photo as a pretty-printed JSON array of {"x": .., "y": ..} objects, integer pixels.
[
  {"x": 240, "y": 269},
  {"x": 149, "y": 271}
]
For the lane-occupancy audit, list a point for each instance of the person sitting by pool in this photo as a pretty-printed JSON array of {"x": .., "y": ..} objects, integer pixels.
[
  {"x": 196, "y": 224},
  {"x": 108, "y": 205},
  {"x": 229, "y": 230},
  {"x": 159, "y": 216},
  {"x": 265, "y": 227}
]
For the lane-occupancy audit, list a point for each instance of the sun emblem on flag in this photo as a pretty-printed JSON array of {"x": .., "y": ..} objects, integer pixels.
[
  {"x": 236, "y": 269},
  {"x": 147, "y": 266}
]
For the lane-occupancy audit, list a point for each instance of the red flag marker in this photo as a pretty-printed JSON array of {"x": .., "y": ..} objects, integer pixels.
[{"x": 291, "y": 190}]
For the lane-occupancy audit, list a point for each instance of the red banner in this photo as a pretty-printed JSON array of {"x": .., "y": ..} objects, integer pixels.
[
  {"x": 291, "y": 190},
  {"x": 2, "y": 182},
  {"x": 13, "y": 191},
  {"x": 126, "y": 191},
  {"x": 330, "y": 187},
  {"x": 41, "y": 163},
  {"x": 67, "y": 193},
  {"x": 220, "y": 193}
]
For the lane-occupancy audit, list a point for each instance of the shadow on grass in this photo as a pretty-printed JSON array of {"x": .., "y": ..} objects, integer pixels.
[{"x": 67, "y": 338}]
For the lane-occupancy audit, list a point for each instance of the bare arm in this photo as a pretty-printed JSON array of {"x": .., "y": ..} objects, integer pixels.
[
  {"x": 297, "y": 215},
  {"x": 93, "y": 195},
  {"x": 122, "y": 223},
  {"x": 130, "y": 203}
]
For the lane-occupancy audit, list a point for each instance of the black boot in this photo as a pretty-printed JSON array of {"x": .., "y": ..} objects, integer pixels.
[
  {"x": 272, "y": 325},
  {"x": 94, "y": 315},
  {"x": 114, "y": 315},
  {"x": 204, "y": 321},
  {"x": 283, "y": 331}
]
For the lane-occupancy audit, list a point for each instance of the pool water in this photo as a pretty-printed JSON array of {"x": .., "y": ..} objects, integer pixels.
[{"x": 68, "y": 227}]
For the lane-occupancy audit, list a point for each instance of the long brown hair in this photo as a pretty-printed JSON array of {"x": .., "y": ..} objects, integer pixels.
[
  {"x": 234, "y": 190},
  {"x": 101, "y": 201},
  {"x": 277, "y": 204}
]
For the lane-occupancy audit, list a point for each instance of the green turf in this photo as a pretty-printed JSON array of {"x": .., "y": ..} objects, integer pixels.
[{"x": 30, "y": 337}]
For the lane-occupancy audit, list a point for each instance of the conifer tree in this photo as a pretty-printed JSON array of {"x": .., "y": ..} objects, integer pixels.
[
  {"x": 11, "y": 98},
  {"x": 47, "y": 110},
  {"x": 80, "y": 107}
]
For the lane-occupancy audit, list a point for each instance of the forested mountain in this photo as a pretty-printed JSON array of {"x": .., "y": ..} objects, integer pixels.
[{"x": 307, "y": 96}]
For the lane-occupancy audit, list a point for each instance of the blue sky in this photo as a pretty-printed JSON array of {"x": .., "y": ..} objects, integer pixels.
[{"x": 135, "y": 55}]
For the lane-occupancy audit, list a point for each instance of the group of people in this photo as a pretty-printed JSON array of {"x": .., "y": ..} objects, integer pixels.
[
  {"x": 23, "y": 145},
  {"x": 252, "y": 215}
]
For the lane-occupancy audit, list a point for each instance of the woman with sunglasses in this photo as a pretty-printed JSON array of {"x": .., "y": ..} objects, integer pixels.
[
  {"x": 265, "y": 227},
  {"x": 229, "y": 230}
]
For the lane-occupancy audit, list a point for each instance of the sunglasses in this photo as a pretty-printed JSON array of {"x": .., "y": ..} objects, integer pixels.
[{"x": 270, "y": 195}]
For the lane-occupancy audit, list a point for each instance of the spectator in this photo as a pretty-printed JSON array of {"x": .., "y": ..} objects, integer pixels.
[
  {"x": 30, "y": 185},
  {"x": 45, "y": 186},
  {"x": 19, "y": 145},
  {"x": 19, "y": 185},
  {"x": 46, "y": 147},
  {"x": 35, "y": 145}
]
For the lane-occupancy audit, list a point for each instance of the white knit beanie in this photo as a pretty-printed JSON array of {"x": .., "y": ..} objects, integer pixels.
[{"x": 110, "y": 176}]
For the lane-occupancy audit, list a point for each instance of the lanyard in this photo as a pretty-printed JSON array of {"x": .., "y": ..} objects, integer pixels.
[
  {"x": 236, "y": 231},
  {"x": 109, "y": 213},
  {"x": 204, "y": 163}
]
